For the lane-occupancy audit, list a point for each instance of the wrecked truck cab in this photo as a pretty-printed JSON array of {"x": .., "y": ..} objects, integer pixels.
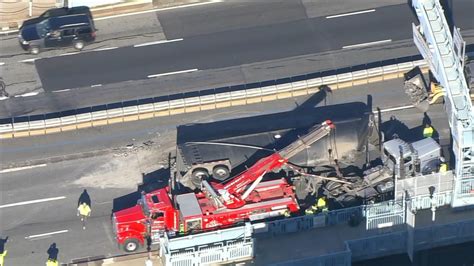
[{"x": 419, "y": 157}]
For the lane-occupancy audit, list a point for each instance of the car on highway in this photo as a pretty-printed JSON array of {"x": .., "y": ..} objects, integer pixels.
[{"x": 59, "y": 31}]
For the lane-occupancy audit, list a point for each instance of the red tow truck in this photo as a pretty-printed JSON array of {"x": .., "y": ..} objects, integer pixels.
[{"x": 217, "y": 205}]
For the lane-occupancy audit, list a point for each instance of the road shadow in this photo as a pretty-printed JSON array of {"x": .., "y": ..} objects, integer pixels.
[
  {"x": 84, "y": 198},
  {"x": 394, "y": 128},
  {"x": 53, "y": 252},
  {"x": 150, "y": 182}
]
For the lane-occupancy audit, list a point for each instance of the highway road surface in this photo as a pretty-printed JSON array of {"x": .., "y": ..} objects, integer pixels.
[
  {"x": 226, "y": 43},
  {"x": 38, "y": 203}
]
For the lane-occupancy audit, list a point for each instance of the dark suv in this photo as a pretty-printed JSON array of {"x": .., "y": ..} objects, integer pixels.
[
  {"x": 57, "y": 31},
  {"x": 58, "y": 12}
]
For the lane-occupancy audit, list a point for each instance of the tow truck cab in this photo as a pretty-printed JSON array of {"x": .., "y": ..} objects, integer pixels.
[{"x": 153, "y": 214}]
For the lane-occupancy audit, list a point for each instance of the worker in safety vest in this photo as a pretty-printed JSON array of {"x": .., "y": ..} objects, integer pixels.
[
  {"x": 2, "y": 257},
  {"x": 443, "y": 167},
  {"x": 309, "y": 211},
  {"x": 321, "y": 204},
  {"x": 84, "y": 210},
  {"x": 52, "y": 262},
  {"x": 428, "y": 131}
]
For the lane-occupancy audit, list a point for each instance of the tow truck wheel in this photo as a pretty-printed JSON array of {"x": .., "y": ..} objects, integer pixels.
[
  {"x": 130, "y": 245},
  {"x": 220, "y": 172}
]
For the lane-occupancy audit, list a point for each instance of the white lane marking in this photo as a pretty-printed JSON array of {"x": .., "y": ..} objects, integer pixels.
[
  {"x": 159, "y": 9},
  {"x": 31, "y": 202},
  {"x": 62, "y": 90},
  {"x": 8, "y": 31},
  {"x": 96, "y": 85},
  {"x": 157, "y": 42},
  {"x": 351, "y": 13},
  {"x": 28, "y": 60},
  {"x": 366, "y": 44},
  {"x": 73, "y": 53},
  {"x": 105, "y": 49},
  {"x": 21, "y": 168},
  {"x": 396, "y": 108},
  {"x": 172, "y": 73},
  {"x": 28, "y": 94},
  {"x": 47, "y": 234},
  {"x": 2, "y": 63}
]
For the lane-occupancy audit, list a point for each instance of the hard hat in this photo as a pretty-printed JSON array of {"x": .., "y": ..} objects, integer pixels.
[{"x": 441, "y": 159}]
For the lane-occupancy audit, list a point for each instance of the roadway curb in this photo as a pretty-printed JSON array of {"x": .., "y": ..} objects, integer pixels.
[{"x": 111, "y": 260}]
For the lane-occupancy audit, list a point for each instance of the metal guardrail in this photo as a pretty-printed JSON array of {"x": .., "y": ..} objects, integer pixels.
[{"x": 202, "y": 100}]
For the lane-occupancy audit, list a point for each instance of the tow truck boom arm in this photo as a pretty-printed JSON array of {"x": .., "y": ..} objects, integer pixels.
[{"x": 232, "y": 192}]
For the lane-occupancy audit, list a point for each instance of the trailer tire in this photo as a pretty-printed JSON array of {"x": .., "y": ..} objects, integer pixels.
[
  {"x": 200, "y": 173},
  {"x": 220, "y": 172},
  {"x": 131, "y": 245}
]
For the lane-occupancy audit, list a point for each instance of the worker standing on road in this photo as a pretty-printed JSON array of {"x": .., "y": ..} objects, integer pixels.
[
  {"x": 428, "y": 131},
  {"x": 2, "y": 257},
  {"x": 321, "y": 204},
  {"x": 84, "y": 210},
  {"x": 52, "y": 262},
  {"x": 443, "y": 167}
]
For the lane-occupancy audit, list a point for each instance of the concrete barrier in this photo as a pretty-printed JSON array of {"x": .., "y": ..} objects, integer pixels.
[{"x": 206, "y": 102}]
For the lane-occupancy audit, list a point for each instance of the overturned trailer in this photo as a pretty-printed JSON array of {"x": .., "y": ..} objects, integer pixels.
[{"x": 233, "y": 145}]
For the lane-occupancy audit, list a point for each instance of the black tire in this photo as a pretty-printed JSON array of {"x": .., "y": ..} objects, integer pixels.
[
  {"x": 200, "y": 173},
  {"x": 79, "y": 45},
  {"x": 349, "y": 201},
  {"x": 220, "y": 172},
  {"x": 34, "y": 50},
  {"x": 131, "y": 245},
  {"x": 332, "y": 185}
]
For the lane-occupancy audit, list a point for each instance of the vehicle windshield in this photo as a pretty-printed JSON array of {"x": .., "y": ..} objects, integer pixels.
[
  {"x": 145, "y": 209},
  {"x": 43, "y": 28}
]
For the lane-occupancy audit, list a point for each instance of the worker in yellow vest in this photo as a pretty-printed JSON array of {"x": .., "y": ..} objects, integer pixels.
[
  {"x": 443, "y": 167},
  {"x": 428, "y": 131},
  {"x": 84, "y": 210},
  {"x": 321, "y": 204},
  {"x": 2, "y": 257},
  {"x": 52, "y": 262}
]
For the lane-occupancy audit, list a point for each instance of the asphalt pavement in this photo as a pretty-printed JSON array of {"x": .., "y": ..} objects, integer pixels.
[{"x": 228, "y": 43}]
